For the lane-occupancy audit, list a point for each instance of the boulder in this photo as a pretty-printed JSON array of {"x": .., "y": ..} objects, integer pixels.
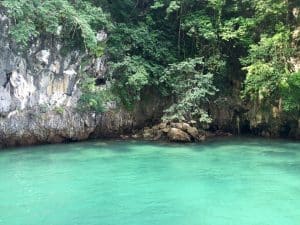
[
  {"x": 125, "y": 137},
  {"x": 177, "y": 125},
  {"x": 185, "y": 126},
  {"x": 166, "y": 130},
  {"x": 148, "y": 135},
  {"x": 158, "y": 135},
  {"x": 136, "y": 136},
  {"x": 178, "y": 135},
  {"x": 201, "y": 138},
  {"x": 193, "y": 131},
  {"x": 193, "y": 122},
  {"x": 162, "y": 126}
]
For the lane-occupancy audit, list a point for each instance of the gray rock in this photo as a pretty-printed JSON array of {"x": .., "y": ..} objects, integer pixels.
[
  {"x": 177, "y": 135},
  {"x": 193, "y": 131},
  {"x": 5, "y": 101}
]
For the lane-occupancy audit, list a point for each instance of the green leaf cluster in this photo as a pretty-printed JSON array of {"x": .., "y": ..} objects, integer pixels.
[
  {"x": 60, "y": 18},
  {"x": 191, "y": 88},
  {"x": 93, "y": 98},
  {"x": 290, "y": 91}
]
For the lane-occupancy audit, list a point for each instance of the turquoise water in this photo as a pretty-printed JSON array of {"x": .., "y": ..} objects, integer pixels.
[{"x": 225, "y": 182}]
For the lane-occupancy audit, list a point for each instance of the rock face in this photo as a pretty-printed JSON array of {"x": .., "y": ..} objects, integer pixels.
[
  {"x": 232, "y": 115},
  {"x": 34, "y": 127},
  {"x": 39, "y": 93},
  {"x": 273, "y": 122},
  {"x": 40, "y": 77}
]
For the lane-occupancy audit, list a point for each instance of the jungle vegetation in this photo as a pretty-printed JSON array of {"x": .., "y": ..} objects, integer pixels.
[{"x": 187, "y": 50}]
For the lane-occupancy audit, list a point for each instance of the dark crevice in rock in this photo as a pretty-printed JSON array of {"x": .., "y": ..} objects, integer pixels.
[
  {"x": 8, "y": 76},
  {"x": 100, "y": 81}
]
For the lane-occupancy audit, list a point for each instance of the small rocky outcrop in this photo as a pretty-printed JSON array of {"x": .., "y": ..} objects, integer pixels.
[{"x": 174, "y": 132}]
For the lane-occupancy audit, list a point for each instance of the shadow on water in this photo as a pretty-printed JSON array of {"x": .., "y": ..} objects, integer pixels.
[
  {"x": 252, "y": 141},
  {"x": 126, "y": 146}
]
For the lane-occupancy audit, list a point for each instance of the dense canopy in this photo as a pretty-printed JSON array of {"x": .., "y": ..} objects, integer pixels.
[{"x": 192, "y": 51}]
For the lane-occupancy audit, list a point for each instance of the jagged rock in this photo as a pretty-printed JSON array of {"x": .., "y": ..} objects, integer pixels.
[
  {"x": 158, "y": 135},
  {"x": 148, "y": 136},
  {"x": 177, "y": 125},
  {"x": 125, "y": 137},
  {"x": 220, "y": 133},
  {"x": 185, "y": 126},
  {"x": 43, "y": 56},
  {"x": 166, "y": 130},
  {"x": 201, "y": 138},
  {"x": 155, "y": 128},
  {"x": 265, "y": 134},
  {"x": 177, "y": 135},
  {"x": 193, "y": 122},
  {"x": 136, "y": 136},
  {"x": 162, "y": 126},
  {"x": 5, "y": 102},
  {"x": 33, "y": 127},
  {"x": 177, "y": 132},
  {"x": 193, "y": 131}
]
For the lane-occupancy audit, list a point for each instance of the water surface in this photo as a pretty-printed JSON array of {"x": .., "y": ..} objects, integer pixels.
[{"x": 225, "y": 182}]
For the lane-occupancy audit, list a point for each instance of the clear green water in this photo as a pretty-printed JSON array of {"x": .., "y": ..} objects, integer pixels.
[{"x": 227, "y": 182}]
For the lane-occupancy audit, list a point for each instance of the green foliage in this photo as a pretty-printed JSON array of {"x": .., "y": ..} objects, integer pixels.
[
  {"x": 132, "y": 78},
  {"x": 199, "y": 25},
  {"x": 138, "y": 55},
  {"x": 290, "y": 91},
  {"x": 157, "y": 5},
  {"x": 164, "y": 40},
  {"x": 22, "y": 31},
  {"x": 173, "y": 7},
  {"x": 237, "y": 29},
  {"x": 140, "y": 40},
  {"x": 267, "y": 66},
  {"x": 270, "y": 9},
  {"x": 59, "y": 110},
  {"x": 184, "y": 49},
  {"x": 93, "y": 98},
  {"x": 190, "y": 88},
  {"x": 32, "y": 18},
  {"x": 99, "y": 51}
]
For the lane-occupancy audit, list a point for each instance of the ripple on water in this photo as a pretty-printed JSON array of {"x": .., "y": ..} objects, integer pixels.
[{"x": 223, "y": 182}]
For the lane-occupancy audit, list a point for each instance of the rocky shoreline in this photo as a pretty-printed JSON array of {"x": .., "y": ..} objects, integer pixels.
[
  {"x": 39, "y": 93},
  {"x": 181, "y": 132},
  {"x": 112, "y": 129}
]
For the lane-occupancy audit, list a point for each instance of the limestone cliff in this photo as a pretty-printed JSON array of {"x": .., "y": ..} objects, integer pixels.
[
  {"x": 39, "y": 92},
  {"x": 273, "y": 122},
  {"x": 231, "y": 114}
]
